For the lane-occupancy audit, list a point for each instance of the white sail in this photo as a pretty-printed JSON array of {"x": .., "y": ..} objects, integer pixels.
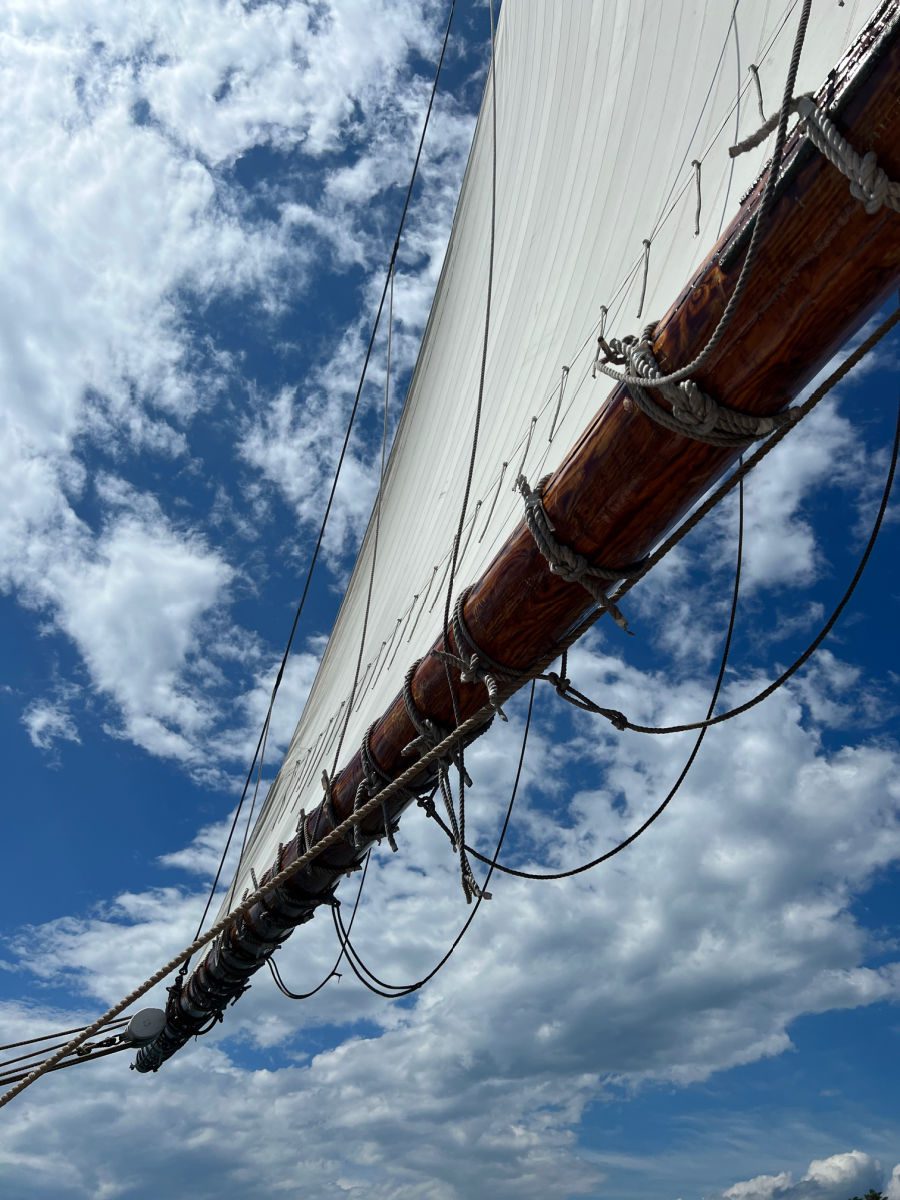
[{"x": 602, "y": 108}]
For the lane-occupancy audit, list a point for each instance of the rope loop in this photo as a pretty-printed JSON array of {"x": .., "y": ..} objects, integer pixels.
[
  {"x": 565, "y": 562},
  {"x": 473, "y": 663},
  {"x": 869, "y": 183},
  {"x": 693, "y": 413},
  {"x": 430, "y": 734}
]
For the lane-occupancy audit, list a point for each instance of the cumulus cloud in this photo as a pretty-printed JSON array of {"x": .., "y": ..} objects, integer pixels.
[
  {"x": 124, "y": 221},
  {"x": 834, "y": 1178}
]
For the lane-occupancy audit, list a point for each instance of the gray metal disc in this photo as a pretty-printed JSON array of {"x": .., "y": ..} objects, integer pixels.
[{"x": 145, "y": 1025}]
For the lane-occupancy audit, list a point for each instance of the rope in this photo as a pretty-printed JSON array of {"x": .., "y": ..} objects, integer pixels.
[
  {"x": 754, "y": 71},
  {"x": 49, "y": 1037},
  {"x": 340, "y": 462},
  {"x": 397, "y": 991},
  {"x": 377, "y": 531},
  {"x": 565, "y": 562},
  {"x": 472, "y": 725},
  {"x": 696, "y": 165},
  {"x": 869, "y": 183},
  {"x": 661, "y": 808},
  {"x": 469, "y": 885},
  {"x": 276, "y": 973},
  {"x": 562, "y": 390},
  {"x": 694, "y": 414},
  {"x": 621, "y": 722},
  {"x": 646, "y": 270},
  {"x": 431, "y": 733},
  {"x": 474, "y": 665}
]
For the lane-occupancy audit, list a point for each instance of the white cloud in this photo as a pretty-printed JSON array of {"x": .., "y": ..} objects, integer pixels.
[
  {"x": 49, "y": 721},
  {"x": 122, "y": 221},
  {"x": 705, "y": 941},
  {"x": 834, "y": 1178}
]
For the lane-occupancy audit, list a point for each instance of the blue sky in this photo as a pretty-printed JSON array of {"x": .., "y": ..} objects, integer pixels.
[{"x": 197, "y": 212}]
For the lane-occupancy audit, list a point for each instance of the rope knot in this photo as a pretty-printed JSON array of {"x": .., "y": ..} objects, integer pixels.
[
  {"x": 694, "y": 408},
  {"x": 871, "y": 185}
]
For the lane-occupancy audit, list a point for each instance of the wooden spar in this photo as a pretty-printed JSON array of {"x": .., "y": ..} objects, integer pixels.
[{"x": 824, "y": 265}]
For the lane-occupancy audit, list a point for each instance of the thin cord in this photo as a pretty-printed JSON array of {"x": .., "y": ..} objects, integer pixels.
[
  {"x": 471, "y": 725},
  {"x": 16, "y": 1077},
  {"x": 710, "y": 720},
  {"x": 759, "y": 223},
  {"x": 465, "y": 871},
  {"x": 276, "y": 973},
  {"x": 377, "y": 515},
  {"x": 59, "y": 1033},
  {"x": 813, "y": 645}
]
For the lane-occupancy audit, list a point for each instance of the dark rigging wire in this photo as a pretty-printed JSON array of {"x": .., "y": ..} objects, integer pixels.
[
  {"x": 15, "y": 1077},
  {"x": 396, "y": 992},
  {"x": 276, "y": 973},
  {"x": 813, "y": 646},
  {"x": 704, "y": 725},
  {"x": 59, "y": 1033},
  {"x": 287, "y": 650},
  {"x": 661, "y": 808},
  {"x": 467, "y": 878}
]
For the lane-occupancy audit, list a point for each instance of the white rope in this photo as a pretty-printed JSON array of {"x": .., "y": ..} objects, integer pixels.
[
  {"x": 693, "y": 413},
  {"x": 869, "y": 183}
]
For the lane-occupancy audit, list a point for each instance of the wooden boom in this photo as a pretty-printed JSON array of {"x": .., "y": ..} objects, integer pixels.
[{"x": 823, "y": 266}]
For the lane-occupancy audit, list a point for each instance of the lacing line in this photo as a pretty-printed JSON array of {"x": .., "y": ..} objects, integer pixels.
[
  {"x": 567, "y": 563},
  {"x": 869, "y": 183},
  {"x": 431, "y": 733},
  {"x": 473, "y": 664},
  {"x": 693, "y": 414}
]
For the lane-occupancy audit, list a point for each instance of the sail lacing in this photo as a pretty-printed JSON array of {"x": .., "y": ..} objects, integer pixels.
[
  {"x": 693, "y": 414},
  {"x": 565, "y": 562},
  {"x": 869, "y": 183},
  {"x": 431, "y": 733}
]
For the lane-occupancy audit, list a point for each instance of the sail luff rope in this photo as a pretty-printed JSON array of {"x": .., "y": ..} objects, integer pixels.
[{"x": 448, "y": 743}]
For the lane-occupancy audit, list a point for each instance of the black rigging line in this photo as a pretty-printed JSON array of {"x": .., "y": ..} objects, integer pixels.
[
  {"x": 15, "y": 1077},
  {"x": 622, "y": 722},
  {"x": 59, "y": 1033},
  {"x": 633, "y": 837},
  {"x": 710, "y": 720},
  {"x": 276, "y": 973},
  {"x": 394, "y": 991},
  {"x": 460, "y": 755},
  {"x": 287, "y": 650}
]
